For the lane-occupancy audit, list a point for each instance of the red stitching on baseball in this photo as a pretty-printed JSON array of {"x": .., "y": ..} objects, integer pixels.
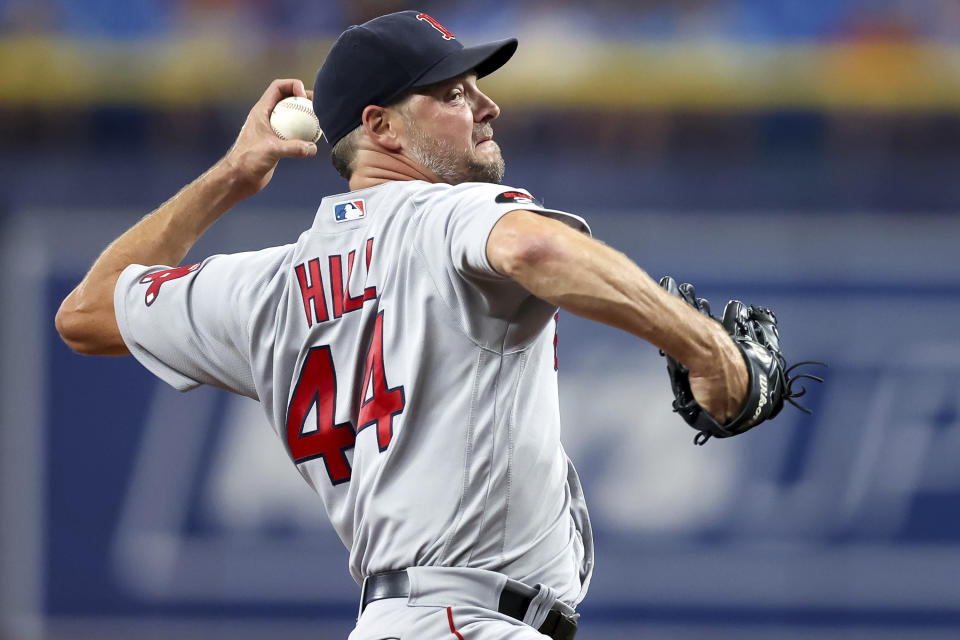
[
  {"x": 300, "y": 107},
  {"x": 296, "y": 105}
]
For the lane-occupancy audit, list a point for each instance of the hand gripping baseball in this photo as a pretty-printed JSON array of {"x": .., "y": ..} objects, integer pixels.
[
  {"x": 754, "y": 331},
  {"x": 257, "y": 150}
]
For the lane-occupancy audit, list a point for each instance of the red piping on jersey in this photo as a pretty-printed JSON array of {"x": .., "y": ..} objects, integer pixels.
[{"x": 453, "y": 629}]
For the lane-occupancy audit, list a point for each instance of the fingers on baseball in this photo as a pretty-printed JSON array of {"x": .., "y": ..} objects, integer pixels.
[
  {"x": 297, "y": 148},
  {"x": 280, "y": 89}
]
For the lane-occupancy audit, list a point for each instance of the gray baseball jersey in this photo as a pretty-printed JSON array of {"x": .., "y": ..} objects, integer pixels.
[{"x": 415, "y": 388}]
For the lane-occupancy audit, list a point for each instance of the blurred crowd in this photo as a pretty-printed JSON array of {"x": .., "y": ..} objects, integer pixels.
[
  {"x": 821, "y": 20},
  {"x": 810, "y": 142}
]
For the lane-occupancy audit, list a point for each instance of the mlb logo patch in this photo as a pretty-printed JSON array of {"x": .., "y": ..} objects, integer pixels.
[{"x": 352, "y": 210}]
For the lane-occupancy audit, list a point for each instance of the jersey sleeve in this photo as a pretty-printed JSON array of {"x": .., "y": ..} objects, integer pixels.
[
  {"x": 476, "y": 210},
  {"x": 189, "y": 325},
  {"x": 454, "y": 231}
]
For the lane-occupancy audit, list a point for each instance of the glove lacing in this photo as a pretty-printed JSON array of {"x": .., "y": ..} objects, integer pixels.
[{"x": 703, "y": 436}]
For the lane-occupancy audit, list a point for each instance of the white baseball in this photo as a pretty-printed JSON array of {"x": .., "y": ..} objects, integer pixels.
[{"x": 293, "y": 119}]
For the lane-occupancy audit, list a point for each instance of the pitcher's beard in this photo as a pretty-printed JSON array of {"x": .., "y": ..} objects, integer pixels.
[
  {"x": 449, "y": 164},
  {"x": 490, "y": 171}
]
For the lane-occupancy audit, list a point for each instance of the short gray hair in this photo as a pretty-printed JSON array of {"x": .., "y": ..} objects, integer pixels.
[{"x": 344, "y": 153}]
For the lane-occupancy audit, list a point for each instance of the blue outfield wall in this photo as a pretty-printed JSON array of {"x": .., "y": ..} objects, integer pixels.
[{"x": 129, "y": 508}]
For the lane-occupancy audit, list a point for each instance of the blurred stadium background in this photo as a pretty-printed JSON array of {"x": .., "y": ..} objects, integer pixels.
[{"x": 801, "y": 154}]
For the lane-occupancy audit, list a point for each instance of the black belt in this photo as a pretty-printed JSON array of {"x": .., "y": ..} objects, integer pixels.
[{"x": 514, "y": 601}]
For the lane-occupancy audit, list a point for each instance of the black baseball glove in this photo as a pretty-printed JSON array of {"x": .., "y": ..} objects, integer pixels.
[{"x": 754, "y": 331}]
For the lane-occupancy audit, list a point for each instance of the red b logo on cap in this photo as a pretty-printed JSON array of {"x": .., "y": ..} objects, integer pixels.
[{"x": 436, "y": 25}]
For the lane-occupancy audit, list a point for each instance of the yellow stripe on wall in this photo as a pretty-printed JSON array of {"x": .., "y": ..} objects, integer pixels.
[{"x": 695, "y": 74}]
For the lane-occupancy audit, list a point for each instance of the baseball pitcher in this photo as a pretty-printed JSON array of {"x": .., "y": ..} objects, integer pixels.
[{"x": 403, "y": 347}]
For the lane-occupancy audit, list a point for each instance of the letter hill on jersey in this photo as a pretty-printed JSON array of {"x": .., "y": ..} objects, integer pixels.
[{"x": 310, "y": 279}]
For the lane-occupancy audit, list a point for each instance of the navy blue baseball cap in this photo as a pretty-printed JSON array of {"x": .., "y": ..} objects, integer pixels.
[{"x": 378, "y": 61}]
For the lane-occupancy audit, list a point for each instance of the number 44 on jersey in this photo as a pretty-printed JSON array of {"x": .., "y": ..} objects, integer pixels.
[{"x": 317, "y": 388}]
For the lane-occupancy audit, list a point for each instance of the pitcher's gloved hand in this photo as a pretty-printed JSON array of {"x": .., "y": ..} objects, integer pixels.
[{"x": 754, "y": 331}]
